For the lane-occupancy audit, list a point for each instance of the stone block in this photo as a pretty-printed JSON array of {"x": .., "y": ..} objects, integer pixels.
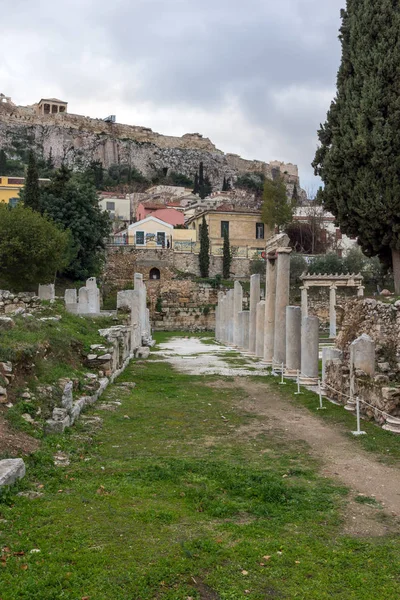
[
  {"x": 66, "y": 400},
  {"x": 6, "y": 323},
  {"x": 59, "y": 414},
  {"x": 11, "y": 469},
  {"x": 52, "y": 427},
  {"x": 143, "y": 352},
  {"x": 362, "y": 354},
  {"x": 47, "y": 292},
  {"x": 125, "y": 299}
]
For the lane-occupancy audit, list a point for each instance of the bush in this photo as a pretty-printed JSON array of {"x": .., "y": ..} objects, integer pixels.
[{"x": 298, "y": 265}]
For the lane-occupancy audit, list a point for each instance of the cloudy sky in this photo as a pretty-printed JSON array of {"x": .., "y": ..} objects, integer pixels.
[{"x": 256, "y": 76}]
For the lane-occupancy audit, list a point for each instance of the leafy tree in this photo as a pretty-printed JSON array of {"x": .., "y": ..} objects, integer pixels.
[
  {"x": 257, "y": 266},
  {"x": 277, "y": 209},
  {"x": 32, "y": 248},
  {"x": 226, "y": 257},
  {"x": 31, "y": 193},
  {"x": 298, "y": 266},
  {"x": 359, "y": 156},
  {"x": 3, "y": 163},
  {"x": 73, "y": 204},
  {"x": 204, "y": 254},
  {"x": 329, "y": 264}
]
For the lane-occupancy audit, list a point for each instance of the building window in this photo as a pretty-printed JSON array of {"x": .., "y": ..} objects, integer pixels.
[
  {"x": 161, "y": 238},
  {"x": 15, "y": 181},
  {"x": 140, "y": 238},
  {"x": 224, "y": 228},
  {"x": 110, "y": 205},
  {"x": 259, "y": 231}
]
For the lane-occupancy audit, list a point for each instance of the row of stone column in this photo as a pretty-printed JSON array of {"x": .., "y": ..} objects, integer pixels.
[{"x": 271, "y": 330}]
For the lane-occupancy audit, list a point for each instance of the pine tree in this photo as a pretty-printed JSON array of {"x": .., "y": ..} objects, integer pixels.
[
  {"x": 359, "y": 154},
  {"x": 3, "y": 163},
  {"x": 31, "y": 192},
  {"x": 204, "y": 254},
  {"x": 277, "y": 209},
  {"x": 226, "y": 257}
]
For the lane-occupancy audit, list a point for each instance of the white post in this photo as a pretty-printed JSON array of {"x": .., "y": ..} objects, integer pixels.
[
  {"x": 358, "y": 432},
  {"x": 321, "y": 406}
]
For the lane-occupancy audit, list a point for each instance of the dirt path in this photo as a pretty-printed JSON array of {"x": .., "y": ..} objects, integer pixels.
[{"x": 340, "y": 457}]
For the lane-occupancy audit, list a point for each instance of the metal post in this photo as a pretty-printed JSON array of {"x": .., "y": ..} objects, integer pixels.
[
  {"x": 298, "y": 393},
  {"x": 358, "y": 432},
  {"x": 281, "y": 381},
  {"x": 321, "y": 406}
]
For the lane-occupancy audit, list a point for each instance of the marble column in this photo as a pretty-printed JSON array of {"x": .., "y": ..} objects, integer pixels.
[
  {"x": 360, "y": 291},
  {"x": 240, "y": 331},
  {"x": 293, "y": 338},
  {"x": 310, "y": 347},
  {"x": 246, "y": 329},
  {"x": 135, "y": 320},
  {"x": 221, "y": 317},
  {"x": 269, "y": 320},
  {"x": 304, "y": 302},
  {"x": 230, "y": 317},
  {"x": 218, "y": 316},
  {"x": 260, "y": 314},
  {"x": 254, "y": 300},
  {"x": 238, "y": 307},
  {"x": 332, "y": 311},
  {"x": 281, "y": 302}
]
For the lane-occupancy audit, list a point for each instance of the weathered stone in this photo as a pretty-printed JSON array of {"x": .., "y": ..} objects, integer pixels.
[
  {"x": 310, "y": 347},
  {"x": 11, "y": 469},
  {"x": 143, "y": 352},
  {"x": 59, "y": 414},
  {"x": 6, "y": 323},
  {"x": 47, "y": 292},
  {"x": 293, "y": 338},
  {"x": 362, "y": 353},
  {"x": 53, "y": 427}
]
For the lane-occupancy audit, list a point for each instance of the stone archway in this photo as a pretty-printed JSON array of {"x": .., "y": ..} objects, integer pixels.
[{"x": 155, "y": 273}]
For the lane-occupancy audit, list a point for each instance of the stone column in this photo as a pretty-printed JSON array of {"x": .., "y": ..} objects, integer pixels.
[
  {"x": 230, "y": 316},
  {"x": 304, "y": 302},
  {"x": 332, "y": 311},
  {"x": 254, "y": 300},
  {"x": 246, "y": 329},
  {"x": 238, "y": 307},
  {"x": 260, "y": 313},
  {"x": 281, "y": 302},
  {"x": 135, "y": 320},
  {"x": 222, "y": 320},
  {"x": 240, "y": 332},
  {"x": 310, "y": 347},
  {"x": 360, "y": 291},
  {"x": 218, "y": 314},
  {"x": 293, "y": 338},
  {"x": 141, "y": 288},
  {"x": 269, "y": 320}
]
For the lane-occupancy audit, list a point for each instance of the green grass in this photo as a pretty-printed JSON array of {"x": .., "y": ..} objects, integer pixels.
[{"x": 173, "y": 502}]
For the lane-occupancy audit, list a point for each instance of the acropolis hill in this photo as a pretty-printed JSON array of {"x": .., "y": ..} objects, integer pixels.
[{"x": 76, "y": 140}]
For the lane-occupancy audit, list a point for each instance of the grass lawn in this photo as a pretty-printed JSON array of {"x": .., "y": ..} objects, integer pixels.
[{"x": 170, "y": 501}]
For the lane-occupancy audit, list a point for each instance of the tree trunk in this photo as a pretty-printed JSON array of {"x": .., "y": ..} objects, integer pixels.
[{"x": 396, "y": 270}]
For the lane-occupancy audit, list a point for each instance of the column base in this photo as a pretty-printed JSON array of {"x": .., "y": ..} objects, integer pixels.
[{"x": 309, "y": 381}]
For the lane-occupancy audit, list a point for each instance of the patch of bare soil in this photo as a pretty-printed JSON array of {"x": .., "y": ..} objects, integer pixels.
[
  {"x": 340, "y": 459},
  {"x": 14, "y": 443}
]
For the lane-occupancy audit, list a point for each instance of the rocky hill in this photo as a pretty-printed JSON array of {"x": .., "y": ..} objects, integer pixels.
[{"x": 77, "y": 140}]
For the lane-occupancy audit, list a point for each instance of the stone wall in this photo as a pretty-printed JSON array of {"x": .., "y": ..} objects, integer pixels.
[
  {"x": 123, "y": 261},
  {"x": 20, "y": 302}
]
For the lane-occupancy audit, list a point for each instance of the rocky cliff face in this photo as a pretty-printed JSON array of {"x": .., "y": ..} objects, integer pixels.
[{"x": 77, "y": 140}]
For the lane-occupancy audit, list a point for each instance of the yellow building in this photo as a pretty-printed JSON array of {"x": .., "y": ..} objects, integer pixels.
[
  {"x": 10, "y": 187},
  {"x": 245, "y": 228}
]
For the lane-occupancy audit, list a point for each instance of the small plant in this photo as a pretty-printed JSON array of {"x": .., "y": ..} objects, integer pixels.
[
  {"x": 206, "y": 311},
  {"x": 159, "y": 304}
]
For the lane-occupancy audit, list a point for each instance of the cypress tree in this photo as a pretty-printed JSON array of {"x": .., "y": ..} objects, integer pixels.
[
  {"x": 359, "y": 155},
  {"x": 204, "y": 254},
  {"x": 224, "y": 185},
  {"x": 196, "y": 188},
  {"x": 3, "y": 163},
  {"x": 31, "y": 193},
  {"x": 226, "y": 257}
]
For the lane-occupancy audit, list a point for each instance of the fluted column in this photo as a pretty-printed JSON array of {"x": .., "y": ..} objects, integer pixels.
[
  {"x": 237, "y": 308},
  {"x": 254, "y": 300},
  {"x": 281, "y": 302},
  {"x": 269, "y": 321}
]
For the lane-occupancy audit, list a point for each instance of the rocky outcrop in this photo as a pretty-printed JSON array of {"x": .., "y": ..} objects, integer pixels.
[{"x": 77, "y": 140}]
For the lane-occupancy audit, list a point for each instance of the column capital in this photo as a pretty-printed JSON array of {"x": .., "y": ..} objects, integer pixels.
[{"x": 283, "y": 250}]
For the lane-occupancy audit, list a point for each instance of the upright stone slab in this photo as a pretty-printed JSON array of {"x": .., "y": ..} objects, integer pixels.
[
  {"x": 281, "y": 302},
  {"x": 260, "y": 329},
  {"x": 222, "y": 320},
  {"x": 47, "y": 292},
  {"x": 135, "y": 321},
  {"x": 237, "y": 309},
  {"x": 310, "y": 347},
  {"x": 71, "y": 301},
  {"x": 269, "y": 321},
  {"x": 218, "y": 316},
  {"x": 93, "y": 296},
  {"x": 230, "y": 302},
  {"x": 254, "y": 300},
  {"x": 332, "y": 312},
  {"x": 293, "y": 338},
  {"x": 83, "y": 301},
  {"x": 362, "y": 354},
  {"x": 329, "y": 353},
  {"x": 246, "y": 329},
  {"x": 140, "y": 287},
  {"x": 240, "y": 332},
  {"x": 124, "y": 299},
  {"x": 304, "y": 302}
]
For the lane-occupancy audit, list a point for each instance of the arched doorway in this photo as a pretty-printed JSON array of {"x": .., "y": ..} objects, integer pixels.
[{"x": 155, "y": 273}]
